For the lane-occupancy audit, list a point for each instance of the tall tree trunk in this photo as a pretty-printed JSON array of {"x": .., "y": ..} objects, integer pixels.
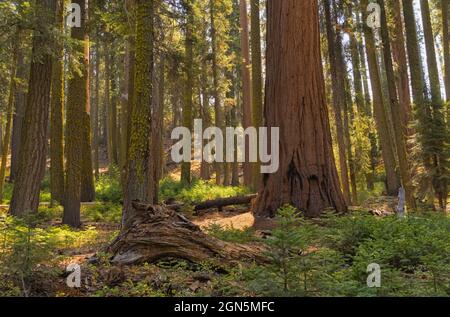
[
  {"x": 307, "y": 176},
  {"x": 95, "y": 111},
  {"x": 219, "y": 114},
  {"x": 25, "y": 197},
  {"x": 246, "y": 87},
  {"x": 396, "y": 111},
  {"x": 87, "y": 175},
  {"x": 112, "y": 114},
  {"x": 445, "y": 7},
  {"x": 19, "y": 107},
  {"x": 205, "y": 111},
  {"x": 380, "y": 114},
  {"x": 76, "y": 124},
  {"x": 9, "y": 111},
  {"x": 188, "y": 93},
  {"x": 57, "y": 116},
  {"x": 337, "y": 77},
  {"x": 440, "y": 157},
  {"x": 137, "y": 183},
  {"x": 401, "y": 64},
  {"x": 257, "y": 85},
  {"x": 131, "y": 7},
  {"x": 158, "y": 125}
]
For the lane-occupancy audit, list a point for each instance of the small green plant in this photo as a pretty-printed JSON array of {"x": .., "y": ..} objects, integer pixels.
[{"x": 292, "y": 267}]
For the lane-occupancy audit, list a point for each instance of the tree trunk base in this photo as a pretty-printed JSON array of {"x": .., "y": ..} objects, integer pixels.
[{"x": 159, "y": 233}]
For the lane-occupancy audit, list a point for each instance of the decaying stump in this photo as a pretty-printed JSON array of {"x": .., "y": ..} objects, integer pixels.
[{"x": 159, "y": 233}]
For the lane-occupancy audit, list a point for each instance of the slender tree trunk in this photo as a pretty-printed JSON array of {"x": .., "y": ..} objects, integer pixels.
[
  {"x": 87, "y": 175},
  {"x": 337, "y": 77},
  {"x": 445, "y": 7},
  {"x": 219, "y": 115},
  {"x": 95, "y": 111},
  {"x": 19, "y": 107},
  {"x": 307, "y": 176},
  {"x": 396, "y": 111},
  {"x": 206, "y": 115},
  {"x": 138, "y": 167},
  {"x": 257, "y": 85},
  {"x": 9, "y": 112},
  {"x": 76, "y": 124},
  {"x": 401, "y": 64},
  {"x": 57, "y": 116},
  {"x": 246, "y": 87},
  {"x": 381, "y": 118},
  {"x": 25, "y": 197},
  {"x": 440, "y": 157},
  {"x": 158, "y": 125},
  {"x": 188, "y": 93}
]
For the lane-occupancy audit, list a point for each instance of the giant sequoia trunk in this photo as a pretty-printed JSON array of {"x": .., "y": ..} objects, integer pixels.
[
  {"x": 296, "y": 103},
  {"x": 25, "y": 197}
]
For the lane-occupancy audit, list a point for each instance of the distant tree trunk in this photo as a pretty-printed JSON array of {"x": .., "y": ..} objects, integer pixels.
[
  {"x": 307, "y": 176},
  {"x": 124, "y": 96},
  {"x": 415, "y": 62},
  {"x": 396, "y": 111},
  {"x": 158, "y": 125},
  {"x": 219, "y": 114},
  {"x": 131, "y": 7},
  {"x": 337, "y": 77},
  {"x": 381, "y": 118},
  {"x": 107, "y": 104},
  {"x": 87, "y": 175},
  {"x": 356, "y": 63},
  {"x": 19, "y": 107},
  {"x": 9, "y": 112},
  {"x": 95, "y": 111},
  {"x": 374, "y": 153},
  {"x": 57, "y": 116},
  {"x": 440, "y": 157},
  {"x": 137, "y": 183},
  {"x": 206, "y": 115},
  {"x": 188, "y": 93},
  {"x": 112, "y": 114},
  {"x": 25, "y": 197},
  {"x": 257, "y": 85},
  {"x": 445, "y": 7},
  {"x": 349, "y": 116},
  {"x": 401, "y": 64},
  {"x": 246, "y": 87}
]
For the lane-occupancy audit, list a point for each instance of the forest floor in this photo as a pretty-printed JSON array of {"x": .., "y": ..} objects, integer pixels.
[{"x": 323, "y": 257}]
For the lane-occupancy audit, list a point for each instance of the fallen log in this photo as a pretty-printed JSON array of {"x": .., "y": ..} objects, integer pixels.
[
  {"x": 224, "y": 202},
  {"x": 159, "y": 233},
  {"x": 216, "y": 203}
]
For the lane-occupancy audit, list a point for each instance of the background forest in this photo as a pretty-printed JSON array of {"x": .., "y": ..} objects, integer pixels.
[{"x": 361, "y": 93}]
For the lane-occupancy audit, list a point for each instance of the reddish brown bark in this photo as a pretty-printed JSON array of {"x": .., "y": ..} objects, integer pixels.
[{"x": 296, "y": 103}]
